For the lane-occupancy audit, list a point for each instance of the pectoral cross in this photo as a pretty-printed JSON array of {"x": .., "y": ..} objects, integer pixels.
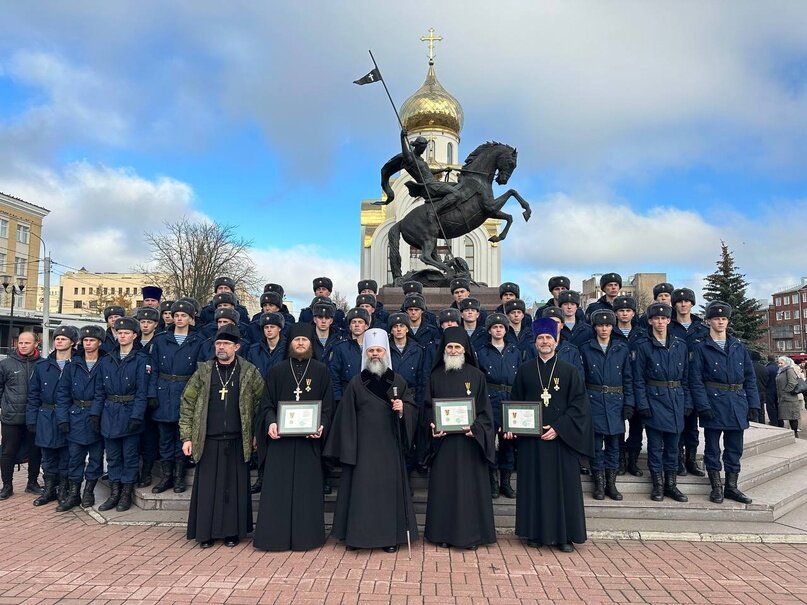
[
  {"x": 545, "y": 397},
  {"x": 297, "y": 392},
  {"x": 223, "y": 392}
]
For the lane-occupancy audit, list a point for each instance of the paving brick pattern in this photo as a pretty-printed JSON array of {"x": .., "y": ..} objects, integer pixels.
[{"x": 46, "y": 557}]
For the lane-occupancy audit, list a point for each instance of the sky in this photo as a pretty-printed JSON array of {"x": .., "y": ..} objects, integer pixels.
[{"x": 647, "y": 132}]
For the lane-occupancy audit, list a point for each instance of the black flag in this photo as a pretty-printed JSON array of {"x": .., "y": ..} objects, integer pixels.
[{"x": 373, "y": 76}]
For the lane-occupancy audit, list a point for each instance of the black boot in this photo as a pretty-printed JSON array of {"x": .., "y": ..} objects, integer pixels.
[
  {"x": 599, "y": 485},
  {"x": 584, "y": 469},
  {"x": 61, "y": 488},
  {"x": 658, "y": 487},
  {"x": 610, "y": 485},
  {"x": 33, "y": 487},
  {"x": 692, "y": 463},
  {"x": 671, "y": 487},
  {"x": 114, "y": 497},
  {"x": 145, "y": 474},
  {"x": 633, "y": 463},
  {"x": 682, "y": 467},
  {"x": 505, "y": 489},
  {"x": 167, "y": 482},
  {"x": 179, "y": 476},
  {"x": 494, "y": 483},
  {"x": 257, "y": 486},
  {"x": 731, "y": 492},
  {"x": 49, "y": 493},
  {"x": 622, "y": 463},
  {"x": 72, "y": 499},
  {"x": 716, "y": 495},
  {"x": 7, "y": 491},
  {"x": 125, "y": 502},
  {"x": 88, "y": 497}
]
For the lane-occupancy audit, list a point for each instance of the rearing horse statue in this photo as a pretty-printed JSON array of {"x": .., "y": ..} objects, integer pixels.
[{"x": 462, "y": 211}]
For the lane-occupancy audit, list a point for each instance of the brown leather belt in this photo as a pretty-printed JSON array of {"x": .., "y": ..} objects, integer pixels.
[
  {"x": 602, "y": 388},
  {"x": 667, "y": 384},
  {"x": 120, "y": 398},
  {"x": 722, "y": 386}
]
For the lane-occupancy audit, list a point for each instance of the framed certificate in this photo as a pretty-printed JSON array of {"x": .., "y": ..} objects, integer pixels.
[
  {"x": 521, "y": 418},
  {"x": 298, "y": 417},
  {"x": 453, "y": 415}
]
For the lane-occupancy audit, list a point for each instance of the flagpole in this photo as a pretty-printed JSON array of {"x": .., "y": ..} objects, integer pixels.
[{"x": 389, "y": 96}]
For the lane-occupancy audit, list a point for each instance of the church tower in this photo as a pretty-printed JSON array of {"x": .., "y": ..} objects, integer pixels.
[{"x": 431, "y": 112}]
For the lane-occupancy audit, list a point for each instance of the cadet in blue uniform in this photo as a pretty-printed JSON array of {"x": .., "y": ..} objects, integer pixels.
[
  {"x": 380, "y": 315},
  {"x": 225, "y": 316},
  {"x": 662, "y": 293},
  {"x": 411, "y": 288},
  {"x": 149, "y": 318},
  {"x": 323, "y": 286},
  {"x": 118, "y": 409},
  {"x": 609, "y": 382},
  {"x": 661, "y": 392},
  {"x": 326, "y": 336},
  {"x": 368, "y": 302},
  {"x": 575, "y": 331},
  {"x": 74, "y": 400},
  {"x": 40, "y": 415},
  {"x": 627, "y": 330},
  {"x": 166, "y": 319},
  {"x": 558, "y": 284},
  {"x": 111, "y": 314},
  {"x": 226, "y": 300},
  {"x": 499, "y": 360},
  {"x": 277, "y": 301},
  {"x": 472, "y": 322},
  {"x": 271, "y": 302},
  {"x": 723, "y": 385},
  {"x": 174, "y": 355},
  {"x": 460, "y": 288},
  {"x": 424, "y": 332},
  {"x": 346, "y": 358},
  {"x": 691, "y": 329},
  {"x": 509, "y": 291},
  {"x": 518, "y": 332},
  {"x": 610, "y": 284},
  {"x": 220, "y": 285}
]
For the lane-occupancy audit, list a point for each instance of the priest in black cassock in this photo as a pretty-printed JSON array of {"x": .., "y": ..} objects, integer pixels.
[
  {"x": 215, "y": 425},
  {"x": 371, "y": 430},
  {"x": 549, "y": 501},
  {"x": 459, "y": 511},
  {"x": 291, "y": 515}
]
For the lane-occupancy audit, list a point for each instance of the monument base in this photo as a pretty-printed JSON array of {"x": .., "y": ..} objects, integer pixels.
[{"x": 438, "y": 299}]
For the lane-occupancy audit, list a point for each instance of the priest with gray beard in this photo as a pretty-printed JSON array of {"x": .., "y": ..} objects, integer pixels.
[
  {"x": 459, "y": 512},
  {"x": 372, "y": 428}
]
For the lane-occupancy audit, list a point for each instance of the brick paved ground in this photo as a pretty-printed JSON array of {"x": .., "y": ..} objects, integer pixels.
[{"x": 69, "y": 558}]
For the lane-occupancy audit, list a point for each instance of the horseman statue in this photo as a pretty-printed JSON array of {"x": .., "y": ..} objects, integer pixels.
[{"x": 450, "y": 209}]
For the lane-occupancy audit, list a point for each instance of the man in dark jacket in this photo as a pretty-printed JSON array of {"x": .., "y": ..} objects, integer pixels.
[
  {"x": 15, "y": 372},
  {"x": 111, "y": 314},
  {"x": 380, "y": 315},
  {"x": 610, "y": 284},
  {"x": 222, "y": 284}
]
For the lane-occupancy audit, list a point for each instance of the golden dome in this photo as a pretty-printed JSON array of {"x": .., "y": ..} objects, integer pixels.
[{"x": 432, "y": 107}]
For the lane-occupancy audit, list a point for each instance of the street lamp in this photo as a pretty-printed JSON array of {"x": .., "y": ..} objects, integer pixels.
[
  {"x": 46, "y": 260},
  {"x": 15, "y": 289}
]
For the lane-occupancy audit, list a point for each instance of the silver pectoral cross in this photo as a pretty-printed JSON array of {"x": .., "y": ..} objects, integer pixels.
[
  {"x": 545, "y": 397},
  {"x": 223, "y": 392},
  {"x": 297, "y": 392}
]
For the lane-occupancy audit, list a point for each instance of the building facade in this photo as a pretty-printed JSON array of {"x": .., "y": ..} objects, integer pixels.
[
  {"x": 20, "y": 248},
  {"x": 786, "y": 323},
  {"x": 433, "y": 113},
  {"x": 86, "y": 293}
]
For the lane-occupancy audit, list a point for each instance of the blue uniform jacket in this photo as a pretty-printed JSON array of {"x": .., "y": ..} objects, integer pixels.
[
  {"x": 697, "y": 331},
  {"x": 655, "y": 361},
  {"x": 78, "y": 383},
  {"x": 110, "y": 342},
  {"x": 600, "y": 303},
  {"x": 611, "y": 368},
  {"x": 635, "y": 334},
  {"x": 168, "y": 358},
  {"x": 577, "y": 336},
  {"x": 323, "y": 352},
  {"x": 121, "y": 377},
  {"x": 208, "y": 312},
  {"x": 40, "y": 409},
  {"x": 523, "y": 338},
  {"x": 245, "y": 329},
  {"x": 733, "y": 365},
  {"x": 525, "y": 323},
  {"x": 409, "y": 364},
  {"x": 345, "y": 363},
  {"x": 262, "y": 358},
  {"x": 254, "y": 332},
  {"x": 307, "y": 316},
  {"x": 500, "y": 368},
  {"x": 479, "y": 336}
]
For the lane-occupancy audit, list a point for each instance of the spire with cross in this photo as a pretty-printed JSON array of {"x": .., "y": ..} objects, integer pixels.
[{"x": 431, "y": 39}]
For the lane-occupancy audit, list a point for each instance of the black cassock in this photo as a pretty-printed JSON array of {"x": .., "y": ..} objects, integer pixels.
[
  {"x": 291, "y": 514},
  {"x": 460, "y": 510},
  {"x": 549, "y": 499},
  {"x": 373, "y": 505},
  {"x": 221, "y": 505}
]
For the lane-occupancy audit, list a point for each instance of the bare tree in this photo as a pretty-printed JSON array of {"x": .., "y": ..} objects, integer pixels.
[{"x": 187, "y": 257}]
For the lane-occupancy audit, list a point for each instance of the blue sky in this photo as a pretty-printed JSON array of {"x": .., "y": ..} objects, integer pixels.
[{"x": 646, "y": 132}]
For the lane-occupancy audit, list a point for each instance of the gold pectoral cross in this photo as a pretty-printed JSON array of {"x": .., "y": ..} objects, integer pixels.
[
  {"x": 297, "y": 392},
  {"x": 223, "y": 392},
  {"x": 545, "y": 397}
]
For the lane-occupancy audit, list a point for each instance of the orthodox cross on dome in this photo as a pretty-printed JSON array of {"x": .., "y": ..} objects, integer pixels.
[{"x": 431, "y": 39}]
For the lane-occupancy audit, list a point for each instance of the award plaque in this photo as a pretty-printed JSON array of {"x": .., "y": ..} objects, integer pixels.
[
  {"x": 453, "y": 415},
  {"x": 298, "y": 418},
  {"x": 521, "y": 418}
]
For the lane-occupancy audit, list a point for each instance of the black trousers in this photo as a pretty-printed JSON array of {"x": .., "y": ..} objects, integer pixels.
[{"x": 13, "y": 438}]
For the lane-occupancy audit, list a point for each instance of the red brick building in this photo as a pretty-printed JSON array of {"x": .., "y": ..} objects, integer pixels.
[{"x": 786, "y": 320}]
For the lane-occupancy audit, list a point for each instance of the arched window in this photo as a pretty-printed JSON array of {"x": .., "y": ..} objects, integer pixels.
[
  {"x": 450, "y": 153},
  {"x": 469, "y": 253}
]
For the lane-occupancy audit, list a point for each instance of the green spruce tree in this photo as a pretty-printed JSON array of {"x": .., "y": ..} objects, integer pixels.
[{"x": 729, "y": 285}]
